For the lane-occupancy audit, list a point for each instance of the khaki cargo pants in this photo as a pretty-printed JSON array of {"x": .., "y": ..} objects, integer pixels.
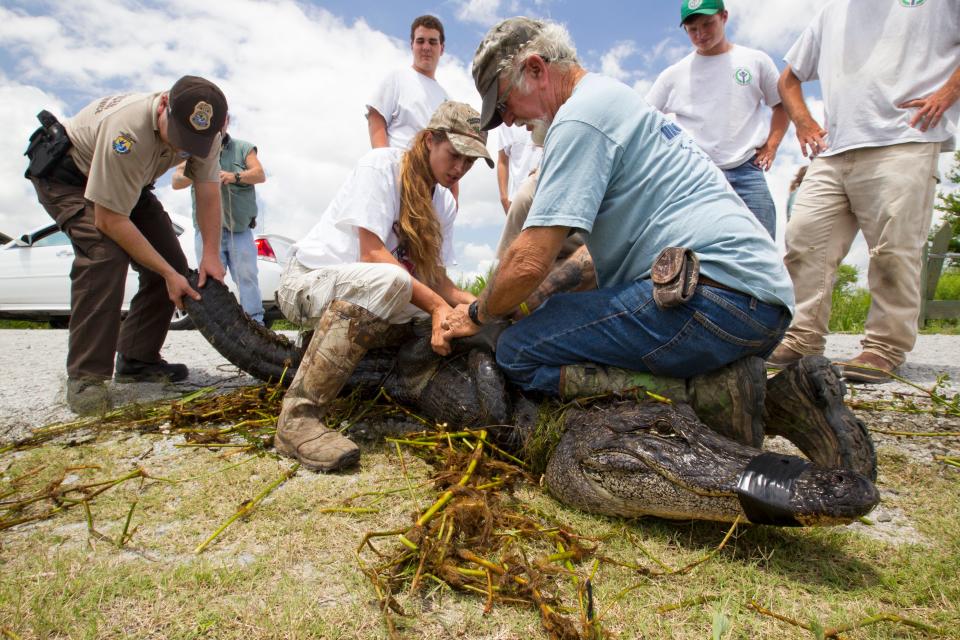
[{"x": 886, "y": 192}]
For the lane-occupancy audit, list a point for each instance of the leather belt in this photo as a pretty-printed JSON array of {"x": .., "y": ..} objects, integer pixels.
[{"x": 710, "y": 282}]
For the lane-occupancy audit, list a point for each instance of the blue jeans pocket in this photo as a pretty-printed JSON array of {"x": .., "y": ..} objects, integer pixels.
[{"x": 718, "y": 332}]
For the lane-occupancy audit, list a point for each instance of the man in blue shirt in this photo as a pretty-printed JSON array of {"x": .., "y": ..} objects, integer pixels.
[{"x": 618, "y": 170}]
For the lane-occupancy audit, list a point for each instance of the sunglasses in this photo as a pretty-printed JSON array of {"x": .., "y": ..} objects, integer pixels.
[{"x": 502, "y": 102}]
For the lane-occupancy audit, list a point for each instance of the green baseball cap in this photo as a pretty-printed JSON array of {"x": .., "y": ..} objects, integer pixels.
[{"x": 693, "y": 7}]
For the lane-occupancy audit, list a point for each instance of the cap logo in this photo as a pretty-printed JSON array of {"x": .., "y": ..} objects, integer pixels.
[
  {"x": 201, "y": 117},
  {"x": 743, "y": 76},
  {"x": 911, "y": 3},
  {"x": 693, "y": 5},
  {"x": 122, "y": 144},
  {"x": 474, "y": 124}
]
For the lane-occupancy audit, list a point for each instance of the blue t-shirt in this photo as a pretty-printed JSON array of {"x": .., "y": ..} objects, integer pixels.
[{"x": 618, "y": 169}]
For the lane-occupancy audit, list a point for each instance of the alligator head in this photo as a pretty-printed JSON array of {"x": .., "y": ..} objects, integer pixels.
[{"x": 659, "y": 459}]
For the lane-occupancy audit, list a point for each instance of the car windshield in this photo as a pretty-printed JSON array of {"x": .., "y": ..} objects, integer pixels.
[{"x": 54, "y": 239}]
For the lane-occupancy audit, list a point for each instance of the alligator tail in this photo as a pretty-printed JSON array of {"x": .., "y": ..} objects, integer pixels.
[{"x": 246, "y": 343}]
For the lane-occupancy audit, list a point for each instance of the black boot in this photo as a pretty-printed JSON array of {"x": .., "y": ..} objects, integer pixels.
[{"x": 130, "y": 370}]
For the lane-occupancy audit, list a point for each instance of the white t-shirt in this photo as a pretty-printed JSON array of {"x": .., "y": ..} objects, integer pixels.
[
  {"x": 870, "y": 56},
  {"x": 719, "y": 101},
  {"x": 524, "y": 156},
  {"x": 406, "y": 99},
  {"x": 369, "y": 199}
]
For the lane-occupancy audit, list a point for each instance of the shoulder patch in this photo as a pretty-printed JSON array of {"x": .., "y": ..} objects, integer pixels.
[
  {"x": 670, "y": 131},
  {"x": 123, "y": 143}
]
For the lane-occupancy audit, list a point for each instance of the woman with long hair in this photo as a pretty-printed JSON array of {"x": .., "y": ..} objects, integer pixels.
[{"x": 375, "y": 260}]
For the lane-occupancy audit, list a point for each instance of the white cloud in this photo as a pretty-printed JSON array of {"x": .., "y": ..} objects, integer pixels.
[
  {"x": 19, "y": 104},
  {"x": 483, "y": 12},
  {"x": 611, "y": 61},
  {"x": 772, "y": 25},
  {"x": 296, "y": 78}
]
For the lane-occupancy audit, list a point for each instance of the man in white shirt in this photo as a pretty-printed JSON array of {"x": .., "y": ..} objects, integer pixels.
[
  {"x": 405, "y": 100},
  {"x": 717, "y": 94},
  {"x": 890, "y": 75},
  {"x": 517, "y": 158}
]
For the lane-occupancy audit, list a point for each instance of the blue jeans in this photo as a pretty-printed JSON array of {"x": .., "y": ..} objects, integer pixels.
[
  {"x": 623, "y": 327},
  {"x": 748, "y": 181},
  {"x": 238, "y": 251}
]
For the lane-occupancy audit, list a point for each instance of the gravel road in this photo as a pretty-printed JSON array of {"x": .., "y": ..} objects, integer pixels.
[{"x": 32, "y": 361}]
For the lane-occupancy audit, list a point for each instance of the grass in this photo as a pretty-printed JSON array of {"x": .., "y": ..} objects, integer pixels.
[
  {"x": 289, "y": 569},
  {"x": 22, "y": 324}
]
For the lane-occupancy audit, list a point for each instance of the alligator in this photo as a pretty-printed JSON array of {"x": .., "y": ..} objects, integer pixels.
[{"x": 622, "y": 458}]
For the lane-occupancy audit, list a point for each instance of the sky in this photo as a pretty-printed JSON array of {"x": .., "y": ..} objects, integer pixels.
[{"x": 297, "y": 75}]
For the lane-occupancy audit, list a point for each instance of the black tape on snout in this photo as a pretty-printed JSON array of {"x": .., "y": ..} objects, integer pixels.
[{"x": 765, "y": 487}]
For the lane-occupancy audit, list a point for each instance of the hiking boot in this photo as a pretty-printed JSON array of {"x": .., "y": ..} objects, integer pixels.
[
  {"x": 730, "y": 400},
  {"x": 868, "y": 367},
  {"x": 344, "y": 333},
  {"x": 302, "y": 434},
  {"x": 130, "y": 370},
  {"x": 804, "y": 404},
  {"x": 88, "y": 396},
  {"x": 782, "y": 356},
  {"x": 586, "y": 380}
]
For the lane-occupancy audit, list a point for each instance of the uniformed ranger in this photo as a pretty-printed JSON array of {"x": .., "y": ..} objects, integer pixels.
[{"x": 94, "y": 175}]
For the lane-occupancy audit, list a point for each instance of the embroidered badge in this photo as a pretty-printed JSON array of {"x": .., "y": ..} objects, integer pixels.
[
  {"x": 743, "y": 76},
  {"x": 911, "y": 3},
  {"x": 201, "y": 117},
  {"x": 123, "y": 143},
  {"x": 693, "y": 5}
]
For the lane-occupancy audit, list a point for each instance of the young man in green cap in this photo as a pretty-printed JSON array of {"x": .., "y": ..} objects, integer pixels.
[{"x": 717, "y": 94}]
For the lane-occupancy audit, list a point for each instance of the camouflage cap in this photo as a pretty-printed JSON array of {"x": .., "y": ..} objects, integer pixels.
[
  {"x": 493, "y": 55},
  {"x": 461, "y": 123}
]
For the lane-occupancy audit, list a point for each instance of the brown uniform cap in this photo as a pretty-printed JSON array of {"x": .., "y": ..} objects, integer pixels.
[{"x": 197, "y": 113}]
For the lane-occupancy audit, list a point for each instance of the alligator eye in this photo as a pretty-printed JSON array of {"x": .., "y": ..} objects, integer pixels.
[{"x": 663, "y": 427}]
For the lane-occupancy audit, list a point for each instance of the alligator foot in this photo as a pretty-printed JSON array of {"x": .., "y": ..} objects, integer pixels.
[{"x": 804, "y": 404}]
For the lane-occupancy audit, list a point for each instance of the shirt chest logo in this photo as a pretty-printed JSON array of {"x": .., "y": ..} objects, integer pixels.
[
  {"x": 911, "y": 3},
  {"x": 123, "y": 143},
  {"x": 743, "y": 76}
]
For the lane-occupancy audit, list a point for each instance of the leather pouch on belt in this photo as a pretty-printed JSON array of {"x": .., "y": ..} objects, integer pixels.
[{"x": 675, "y": 273}]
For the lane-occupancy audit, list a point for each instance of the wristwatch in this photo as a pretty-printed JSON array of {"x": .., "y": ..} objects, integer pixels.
[
  {"x": 236, "y": 176},
  {"x": 474, "y": 313}
]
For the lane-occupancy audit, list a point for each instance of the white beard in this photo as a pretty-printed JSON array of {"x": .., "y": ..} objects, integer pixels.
[{"x": 539, "y": 132}]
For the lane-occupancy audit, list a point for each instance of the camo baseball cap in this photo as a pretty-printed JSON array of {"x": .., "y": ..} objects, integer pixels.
[
  {"x": 197, "y": 112},
  {"x": 693, "y": 7},
  {"x": 493, "y": 55},
  {"x": 461, "y": 123}
]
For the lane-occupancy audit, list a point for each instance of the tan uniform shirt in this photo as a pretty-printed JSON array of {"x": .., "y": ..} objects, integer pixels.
[{"x": 117, "y": 145}]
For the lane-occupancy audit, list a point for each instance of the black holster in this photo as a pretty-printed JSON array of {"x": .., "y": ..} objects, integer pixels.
[
  {"x": 675, "y": 274},
  {"x": 47, "y": 151}
]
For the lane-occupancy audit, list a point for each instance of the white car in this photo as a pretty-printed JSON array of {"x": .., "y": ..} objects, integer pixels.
[{"x": 35, "y": 274}]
